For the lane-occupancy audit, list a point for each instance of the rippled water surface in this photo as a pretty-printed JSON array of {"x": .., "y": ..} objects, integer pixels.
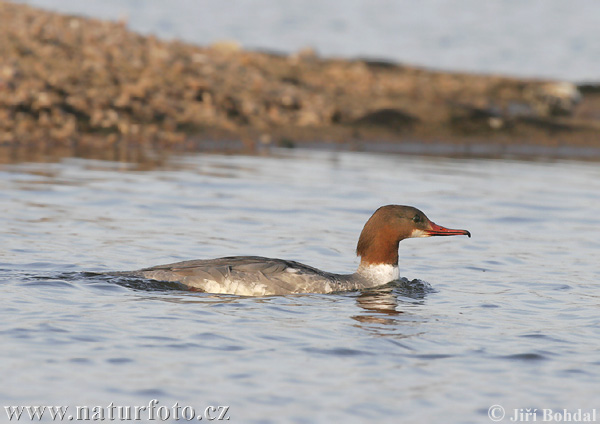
[{"x": 508, "y": 317}]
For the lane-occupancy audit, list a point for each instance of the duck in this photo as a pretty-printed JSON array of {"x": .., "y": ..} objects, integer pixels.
[{"x": 377, "y": 248}]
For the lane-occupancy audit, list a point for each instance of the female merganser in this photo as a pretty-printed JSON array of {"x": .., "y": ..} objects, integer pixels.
[{"x": 258, "y": 276}]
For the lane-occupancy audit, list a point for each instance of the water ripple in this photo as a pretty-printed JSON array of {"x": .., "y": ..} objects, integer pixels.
[{"x": 510, "y": 314}]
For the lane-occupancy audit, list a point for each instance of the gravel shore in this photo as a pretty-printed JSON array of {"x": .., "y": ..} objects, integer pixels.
[{"x": 70, "y": 81}]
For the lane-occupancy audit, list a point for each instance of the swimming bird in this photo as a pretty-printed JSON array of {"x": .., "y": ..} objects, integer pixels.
[{"x": 258, "y": 276}]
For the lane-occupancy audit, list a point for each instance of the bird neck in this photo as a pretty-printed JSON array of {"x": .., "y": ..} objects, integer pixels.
[{"x": 378, "y": 249}]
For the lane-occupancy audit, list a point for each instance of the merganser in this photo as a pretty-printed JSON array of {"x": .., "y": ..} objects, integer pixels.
[{"x": 258, "y": 276}]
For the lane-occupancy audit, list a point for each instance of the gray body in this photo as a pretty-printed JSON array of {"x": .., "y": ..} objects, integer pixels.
[{"x": 254, "y": 276}]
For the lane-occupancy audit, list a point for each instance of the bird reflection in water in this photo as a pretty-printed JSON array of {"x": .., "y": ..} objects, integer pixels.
[{"x": 384, "y": 304}]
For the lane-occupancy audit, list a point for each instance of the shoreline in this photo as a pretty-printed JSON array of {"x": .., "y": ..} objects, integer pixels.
[{"x": 77, "y": 83}]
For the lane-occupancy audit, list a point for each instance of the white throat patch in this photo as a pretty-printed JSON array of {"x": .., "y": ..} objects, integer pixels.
[{"x": 418, "y": 233}]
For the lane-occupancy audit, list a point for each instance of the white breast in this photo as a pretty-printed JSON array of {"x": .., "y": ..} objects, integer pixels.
[{"x": 380, "y": 273}]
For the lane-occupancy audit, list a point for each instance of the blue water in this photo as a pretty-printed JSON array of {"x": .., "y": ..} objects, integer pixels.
[
  {"x": 549, "y": 38},
  {"x": 508, "y": 317}
]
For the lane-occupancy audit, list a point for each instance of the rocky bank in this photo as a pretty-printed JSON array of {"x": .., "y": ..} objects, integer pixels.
[{"x": 72, "y": 81}]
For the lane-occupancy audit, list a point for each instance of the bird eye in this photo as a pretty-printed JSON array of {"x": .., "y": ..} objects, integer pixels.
[{"x": 417, "y": 218}]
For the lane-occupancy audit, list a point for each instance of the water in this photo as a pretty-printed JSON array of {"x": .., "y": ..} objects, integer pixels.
[
  {"x": 508, "y": 317},
  {"x": 549, "y": 38}
]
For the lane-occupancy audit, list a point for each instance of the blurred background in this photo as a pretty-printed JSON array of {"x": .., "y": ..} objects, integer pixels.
[{"x": 534, "y": 38}]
